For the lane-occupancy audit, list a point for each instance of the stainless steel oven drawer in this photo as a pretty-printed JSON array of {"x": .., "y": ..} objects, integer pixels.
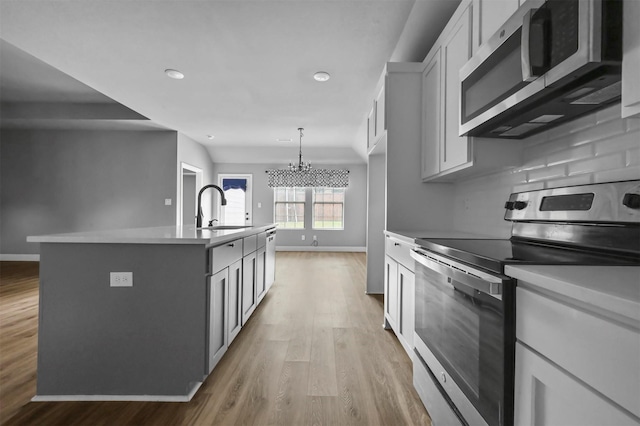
[{"x": 437, "y": 406}]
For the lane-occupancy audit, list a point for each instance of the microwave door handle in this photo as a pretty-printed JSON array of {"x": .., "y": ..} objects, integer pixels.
[
  {"x": 534, "y": 49},
  {"x": 527, "y": 70}
]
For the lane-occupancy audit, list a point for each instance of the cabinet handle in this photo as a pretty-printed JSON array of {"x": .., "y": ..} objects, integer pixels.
[
  {"x": 396, "y": 244},
  {"x": 231, "y": 245}
]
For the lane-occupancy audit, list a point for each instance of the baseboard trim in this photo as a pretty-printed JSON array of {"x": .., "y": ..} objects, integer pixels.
[
  {"x": 141, "y": 398},
  {"x": 20, "y": 257},
  {"x": 322, "y": 248}
]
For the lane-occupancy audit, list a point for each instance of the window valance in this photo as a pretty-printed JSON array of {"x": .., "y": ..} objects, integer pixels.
[{"x": 329, "y": 178}]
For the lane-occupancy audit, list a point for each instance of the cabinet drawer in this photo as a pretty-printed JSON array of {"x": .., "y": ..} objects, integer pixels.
[
  {"x": 225, "y": 254},
  {"x": 601, "y": 353},
  {"x": 262, "y": 239},
  {"x": 545, "y": 394},
  {"x": 250, "y": 244},
  {"x": 400, "y": 252}
]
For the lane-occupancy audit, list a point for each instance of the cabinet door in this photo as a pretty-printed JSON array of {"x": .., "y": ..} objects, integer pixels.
[
  {"x": 406, "y": 289},
  {"x": 547, "y": 395},
  {"x": 456, "y": 51},
  {"x": 371, "y": 128},
  {"x": 431, "y": 107},
  {"x": 491, "y": 15},
  {"x": 234, "y": 317},
  {"x": 218, "y": 288},
  {"x": 391, "y": 305},
  {"x": 249, "y": 269},
  {"x": 381, "y": 124},
  {"x": 261, "y": 282},
  {"x": 631, "y": 59}
]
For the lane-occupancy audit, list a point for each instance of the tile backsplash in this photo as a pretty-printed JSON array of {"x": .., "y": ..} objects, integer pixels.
[{"x": 600, "y": 147}]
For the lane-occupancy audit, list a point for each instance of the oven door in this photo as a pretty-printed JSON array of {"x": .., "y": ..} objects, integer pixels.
[{"x": 465, "y": 325}]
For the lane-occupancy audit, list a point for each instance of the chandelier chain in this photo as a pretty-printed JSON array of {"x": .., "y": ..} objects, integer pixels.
[{"x": 301, "y": 166}]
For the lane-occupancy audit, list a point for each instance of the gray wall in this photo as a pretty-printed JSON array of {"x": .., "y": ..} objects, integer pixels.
[
  {"x": 194, "y": 154},
  {"x": 354, "y": 234},
  {"x": 189, "y": 199},
  {"x": 66, "y": 181}
]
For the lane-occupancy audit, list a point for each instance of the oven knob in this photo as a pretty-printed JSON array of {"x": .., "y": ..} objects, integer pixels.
[
  {"x": 519, "y": 205},
  {"x": 443, "y": 377},
  {"x": 631, "y": 200}
]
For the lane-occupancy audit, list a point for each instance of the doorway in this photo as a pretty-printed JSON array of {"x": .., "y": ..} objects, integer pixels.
[
  {"x": 238, "y": 192},
  {"x": 190, "y": 182}
]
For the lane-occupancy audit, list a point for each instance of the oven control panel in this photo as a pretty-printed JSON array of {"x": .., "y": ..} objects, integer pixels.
[{"x": 615, "y": 202}]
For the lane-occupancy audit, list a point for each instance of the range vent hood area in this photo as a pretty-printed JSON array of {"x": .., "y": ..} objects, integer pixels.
[{"x": 550, "y": 63}]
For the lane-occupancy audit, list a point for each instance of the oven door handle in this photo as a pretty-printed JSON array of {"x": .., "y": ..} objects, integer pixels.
[{"x": 478, "y": 280}]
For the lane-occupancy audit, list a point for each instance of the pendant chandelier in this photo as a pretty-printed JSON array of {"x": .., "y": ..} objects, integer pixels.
[
  {"x": 302, "y": 175},
  {"x": 301, "y": 166}
]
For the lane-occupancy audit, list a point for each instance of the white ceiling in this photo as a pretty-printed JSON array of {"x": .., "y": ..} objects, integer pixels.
[{"x": 248, "y": 66}]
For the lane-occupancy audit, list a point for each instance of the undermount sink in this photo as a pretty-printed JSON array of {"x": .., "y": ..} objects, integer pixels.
[{"x": 223, "y": 227}]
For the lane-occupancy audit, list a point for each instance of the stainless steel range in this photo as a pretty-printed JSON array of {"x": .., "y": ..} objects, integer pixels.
[{"x": 465, "y": 305}]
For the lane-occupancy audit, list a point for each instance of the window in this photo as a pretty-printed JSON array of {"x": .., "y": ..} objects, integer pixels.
[
  {"x": 289, "y": 207},
  {"x": 328, "y": 208}
]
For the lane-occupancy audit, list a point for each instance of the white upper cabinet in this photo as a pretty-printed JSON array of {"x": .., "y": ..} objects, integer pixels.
[
  {"x": 456, "y": 51},
  {"x": 371, "y": 128},
  {"x": 377, "y": 118},
  {"x": 381, "y": 124},
  {"x": 446, "y": 156},
  {"x": 431, "y": 106},
  {"x": 490, "y": 16},
  {"x": 631, "y": 59}
]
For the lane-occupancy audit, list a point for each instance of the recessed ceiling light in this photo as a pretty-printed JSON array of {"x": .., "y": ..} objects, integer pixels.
[
  {"x": 210, "y": 136},
  {"x": 175, "y": 74},
  {"x": 284, "y": 140},
  {"x": 321, "y": 76}
]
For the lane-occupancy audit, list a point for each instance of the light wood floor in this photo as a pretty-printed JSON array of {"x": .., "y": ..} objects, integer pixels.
[{"x": 313, "y": 353}]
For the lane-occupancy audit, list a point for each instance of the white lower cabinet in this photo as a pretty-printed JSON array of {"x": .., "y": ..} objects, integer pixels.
[
  {"x": 218, "y": 336},
  {"x": 572, "y": 363},
  {"x": 234, "y": 316},
  {"x": 548, "y": 395},
  {"x": 399, "y": 292},
  {"x": 391, "y": 305},
  {"x": 235, "y": 288},
  {"x": 249, "y": 281},
  {"x": 406, "y": 297},
  {"x": 261, "y": 282}
]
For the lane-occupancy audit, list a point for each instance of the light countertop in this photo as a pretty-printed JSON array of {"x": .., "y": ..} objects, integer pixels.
[
  {"x": 187, "y": 234},
  {"x": 611, "y": 288},
  {"x": 411, "y": 235}
]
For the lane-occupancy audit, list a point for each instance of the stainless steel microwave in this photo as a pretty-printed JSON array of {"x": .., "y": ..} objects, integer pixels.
[{"x": 551, "y": 62}]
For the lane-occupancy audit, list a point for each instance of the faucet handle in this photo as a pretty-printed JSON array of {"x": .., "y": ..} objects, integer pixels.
[{"x": 211, "y": 221}]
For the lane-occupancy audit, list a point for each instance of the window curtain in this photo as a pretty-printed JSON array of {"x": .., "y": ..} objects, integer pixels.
[
  {"x": 328, "y": 178},
  {"x": 228, "y": 184}
]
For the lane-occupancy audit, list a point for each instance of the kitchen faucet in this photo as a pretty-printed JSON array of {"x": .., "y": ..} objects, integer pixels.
[{"x": 223, "y": 201}]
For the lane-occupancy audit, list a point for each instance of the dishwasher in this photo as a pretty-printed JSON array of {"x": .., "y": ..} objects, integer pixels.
[{"x": 270, "y": 261}]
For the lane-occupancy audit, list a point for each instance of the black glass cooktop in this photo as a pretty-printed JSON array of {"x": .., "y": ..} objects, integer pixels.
[{"x": 494, "y": 254}]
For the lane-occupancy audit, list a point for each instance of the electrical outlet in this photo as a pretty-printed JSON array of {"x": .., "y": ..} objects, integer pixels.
[
  {"x": 121, "y": 279},
  {"x": 259, "y": 205},
  {"x": 303, "y": 238},
  {"x": 167, "y": 201},
  {"x": 315, "y": 238}
]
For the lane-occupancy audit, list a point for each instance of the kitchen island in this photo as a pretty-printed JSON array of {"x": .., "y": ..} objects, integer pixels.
[{"x": 144, "y": 314}]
